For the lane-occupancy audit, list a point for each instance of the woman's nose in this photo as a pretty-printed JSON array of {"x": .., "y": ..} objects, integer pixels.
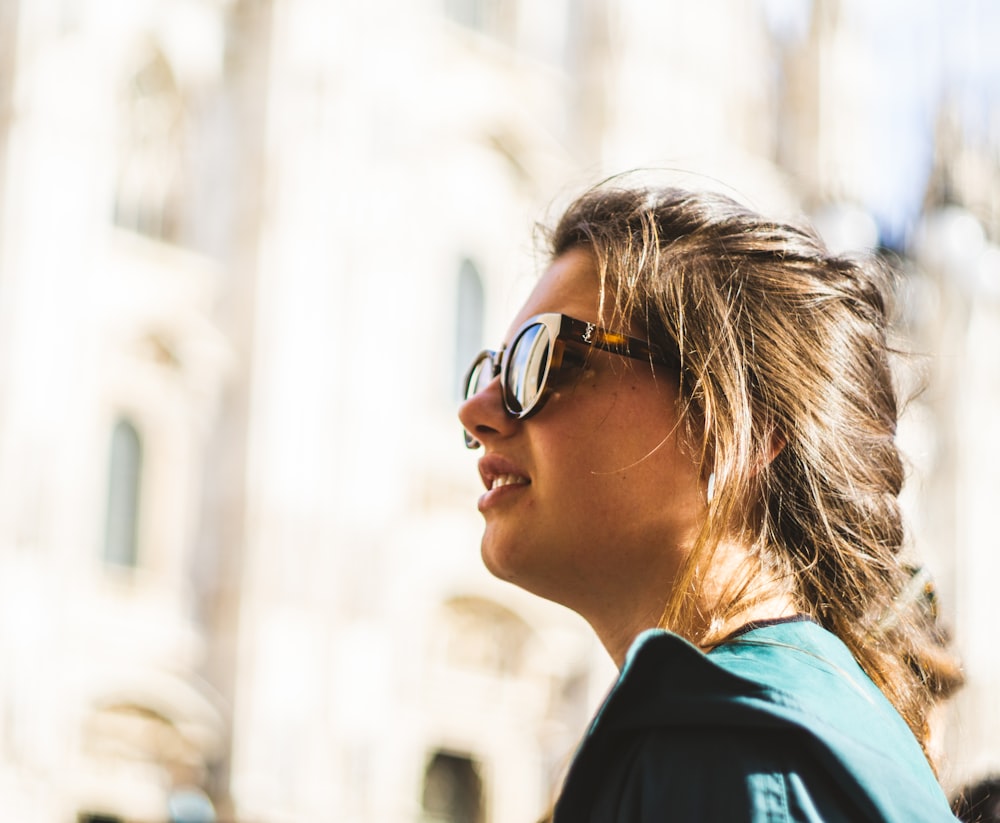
[{"x": 483, "y": 415}]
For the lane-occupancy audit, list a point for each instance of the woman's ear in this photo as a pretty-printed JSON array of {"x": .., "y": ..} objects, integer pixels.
[{"x": 777, "y": 443}]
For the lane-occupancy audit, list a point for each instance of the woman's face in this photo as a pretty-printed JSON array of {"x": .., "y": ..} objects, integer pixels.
[{"x": 597, "y": 500}]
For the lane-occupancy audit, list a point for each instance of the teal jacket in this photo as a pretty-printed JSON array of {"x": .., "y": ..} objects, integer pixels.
[{"x": 778, "y": 725}]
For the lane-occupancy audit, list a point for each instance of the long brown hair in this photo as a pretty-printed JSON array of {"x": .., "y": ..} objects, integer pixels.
[{"x": 788, "y": 399}]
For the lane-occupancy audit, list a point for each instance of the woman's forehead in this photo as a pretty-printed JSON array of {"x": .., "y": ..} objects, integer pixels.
[{"x": 570, "y": 286}]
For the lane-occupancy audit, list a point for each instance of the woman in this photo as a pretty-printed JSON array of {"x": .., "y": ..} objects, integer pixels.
[{"x": 688, "y": 439}]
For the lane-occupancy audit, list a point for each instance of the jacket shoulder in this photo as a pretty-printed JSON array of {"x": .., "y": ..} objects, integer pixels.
[
  {"x": 716, "y": 774},
  {"x": 785, "y": 723}
]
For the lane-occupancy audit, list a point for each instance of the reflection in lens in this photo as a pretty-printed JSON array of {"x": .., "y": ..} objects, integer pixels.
[{"x": 529, "y": 359}]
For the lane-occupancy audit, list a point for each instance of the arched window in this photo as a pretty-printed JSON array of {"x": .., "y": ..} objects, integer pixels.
[
  {"x": 121, "y": 533},
  {"x": 453, "y": 790},
  {"x": 469, "y": 321},
  {"x": 494, "y": 18},
  {"x": 478, "y": 634},
  {"x": 148, "y": 189}
]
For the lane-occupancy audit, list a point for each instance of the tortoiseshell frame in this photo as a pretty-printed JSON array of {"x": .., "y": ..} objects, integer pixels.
[{"x": 562, "y": 328}]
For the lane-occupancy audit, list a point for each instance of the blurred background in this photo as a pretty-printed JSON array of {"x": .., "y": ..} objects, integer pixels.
[{"x": 247, "y": 247}]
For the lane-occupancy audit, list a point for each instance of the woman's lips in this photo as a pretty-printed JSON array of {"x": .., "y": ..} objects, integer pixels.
[{"x": 501, "y": 477}]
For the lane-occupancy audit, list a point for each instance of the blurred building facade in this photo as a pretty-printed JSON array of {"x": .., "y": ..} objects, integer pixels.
[{"x": 246, "y": 249}]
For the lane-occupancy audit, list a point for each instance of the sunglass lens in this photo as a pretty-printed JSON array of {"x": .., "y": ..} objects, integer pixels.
[
  {"x": 527, "y": 369},
  {"x": 480, "y": 375}
]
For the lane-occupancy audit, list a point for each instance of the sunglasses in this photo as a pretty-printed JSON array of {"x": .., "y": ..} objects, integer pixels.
[{"x": 535, "y": 356}]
